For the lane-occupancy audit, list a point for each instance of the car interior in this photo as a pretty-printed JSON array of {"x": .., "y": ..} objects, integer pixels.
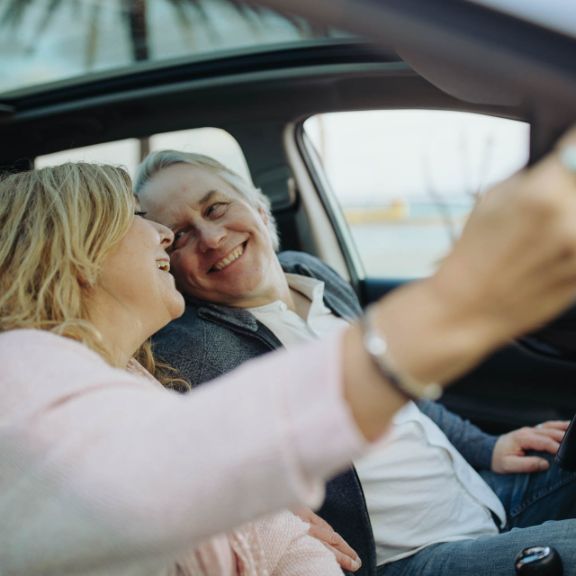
[{"x": 282, "y": 102}]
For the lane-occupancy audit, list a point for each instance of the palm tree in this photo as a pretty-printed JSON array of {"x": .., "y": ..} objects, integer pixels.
[{"x": 135, "y": 16}]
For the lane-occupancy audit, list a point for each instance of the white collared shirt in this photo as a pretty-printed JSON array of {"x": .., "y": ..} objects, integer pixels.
[
  {"x": 419, "y": 489},
  {"x": 288, "y": 326}
]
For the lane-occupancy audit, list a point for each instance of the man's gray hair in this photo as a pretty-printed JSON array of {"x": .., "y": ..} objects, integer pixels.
[{"x": 162, "y": 159}]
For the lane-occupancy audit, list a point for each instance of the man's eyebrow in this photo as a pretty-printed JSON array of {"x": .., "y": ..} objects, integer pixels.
[
  {"x": 204, "y": 200},
  {"x": 208, "y": 196}
]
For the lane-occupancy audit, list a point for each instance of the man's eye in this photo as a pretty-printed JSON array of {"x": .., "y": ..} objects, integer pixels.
[
  {"x": 178, "y": 238},
  {"x": 217, "y": 209}
]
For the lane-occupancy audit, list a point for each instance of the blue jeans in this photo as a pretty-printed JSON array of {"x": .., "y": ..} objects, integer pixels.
[{"x": 541, "y": 511}]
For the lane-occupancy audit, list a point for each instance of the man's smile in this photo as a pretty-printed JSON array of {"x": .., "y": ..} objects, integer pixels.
[{"x": 229, "y": 258}]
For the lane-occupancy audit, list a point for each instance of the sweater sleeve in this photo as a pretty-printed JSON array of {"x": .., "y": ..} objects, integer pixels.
[
  {"x": 280, "y": 545},
  {"x": 122, "y": 471},
  {"x": 475, "y": 445}
]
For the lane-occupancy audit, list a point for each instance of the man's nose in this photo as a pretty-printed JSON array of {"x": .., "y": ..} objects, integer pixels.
[{"x": 210, "y": 236}]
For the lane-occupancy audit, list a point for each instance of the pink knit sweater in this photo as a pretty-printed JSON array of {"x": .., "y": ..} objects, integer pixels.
[
  {"x": 275, "y": 546},
  {"x": 104, "y": 473}
]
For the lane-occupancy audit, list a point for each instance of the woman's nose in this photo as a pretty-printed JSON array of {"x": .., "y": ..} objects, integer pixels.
[{"x": 166, "y": 235}]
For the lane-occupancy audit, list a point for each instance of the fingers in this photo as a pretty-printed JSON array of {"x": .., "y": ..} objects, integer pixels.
[
  {"x": 320, "y": 529},
  {"x": 554, "y": 430},
  {"x": 555, "y": 424},
  {"x": 310, "y": 517},
  {"x": 553, "y": 433},
  {"x": 568, "y": 139},
  {"x": 555, "y": 162},
  {"x": 337, "y": 542},
  {"x": 542, "y": 443},
  {"x": 346, "y": 562},
  {"x": 524, "y": 464},
  {"x": 345, "y": 554},
  {"x": 510, "y": 450},
  {"x": 541, "y": 439}
]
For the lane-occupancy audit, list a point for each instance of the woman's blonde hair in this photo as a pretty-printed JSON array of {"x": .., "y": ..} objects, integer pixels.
[{"x": 57, "y": 226}]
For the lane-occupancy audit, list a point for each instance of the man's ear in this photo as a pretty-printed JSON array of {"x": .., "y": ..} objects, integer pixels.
[{"x": 264, "y": 214}]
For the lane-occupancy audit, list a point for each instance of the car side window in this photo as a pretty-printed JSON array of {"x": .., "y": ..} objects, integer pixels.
[{"x": 406, "y": 180}]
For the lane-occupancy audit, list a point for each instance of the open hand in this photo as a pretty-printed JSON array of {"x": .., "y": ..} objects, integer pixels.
[
  {"x": 510, "y": 456},
  {"x": 321, "y": 530}
]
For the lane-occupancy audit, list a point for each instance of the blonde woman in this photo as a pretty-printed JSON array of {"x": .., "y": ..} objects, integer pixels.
[
  {"x": 102, "y": 471},
  {"x": 82, "y": 297}
]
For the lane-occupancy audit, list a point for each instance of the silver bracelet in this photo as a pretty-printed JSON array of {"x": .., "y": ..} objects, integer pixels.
[{"x": 377, "y": 348}]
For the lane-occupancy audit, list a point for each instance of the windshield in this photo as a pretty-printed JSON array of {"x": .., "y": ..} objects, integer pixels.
[{"x": 43, "y": 41}]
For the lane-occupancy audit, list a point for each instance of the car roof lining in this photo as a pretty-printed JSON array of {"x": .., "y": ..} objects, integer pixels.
[
  {"x": 530, "y": 64},
  {"x": 259, "y": 98},
  {"x": 462, "y": 49}
]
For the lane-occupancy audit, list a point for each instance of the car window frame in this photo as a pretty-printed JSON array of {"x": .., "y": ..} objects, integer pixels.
[{"x": 332, "y": 207}]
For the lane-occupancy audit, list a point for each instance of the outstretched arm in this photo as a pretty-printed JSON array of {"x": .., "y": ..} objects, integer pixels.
[{"x": 495, "y": 285}]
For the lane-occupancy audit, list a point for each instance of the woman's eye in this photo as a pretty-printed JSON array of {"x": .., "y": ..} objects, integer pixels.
[
  {"x": 140, "y": 213},
  {"x": 217, "y": 209}
]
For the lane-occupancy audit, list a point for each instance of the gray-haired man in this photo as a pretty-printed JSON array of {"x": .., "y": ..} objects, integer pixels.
[{"x": 442, "y": 496}]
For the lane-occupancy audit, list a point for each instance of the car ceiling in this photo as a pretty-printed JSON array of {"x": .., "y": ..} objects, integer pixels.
[
  {"x": 455, "y": 55},
  {"x": 467, "y": 50},
  {"x": 236, "y": 94}
]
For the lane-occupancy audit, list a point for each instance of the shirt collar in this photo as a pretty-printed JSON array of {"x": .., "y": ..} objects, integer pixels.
[{"x": 310, "y": 288}]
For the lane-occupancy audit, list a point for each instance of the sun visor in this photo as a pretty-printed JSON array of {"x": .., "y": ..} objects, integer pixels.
[{"x": 459, "y": 80}]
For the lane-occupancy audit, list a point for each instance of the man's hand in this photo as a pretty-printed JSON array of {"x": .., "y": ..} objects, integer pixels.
[
  {"x": 321, "y": 530},
  {"x": 509, "y": 454}
]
